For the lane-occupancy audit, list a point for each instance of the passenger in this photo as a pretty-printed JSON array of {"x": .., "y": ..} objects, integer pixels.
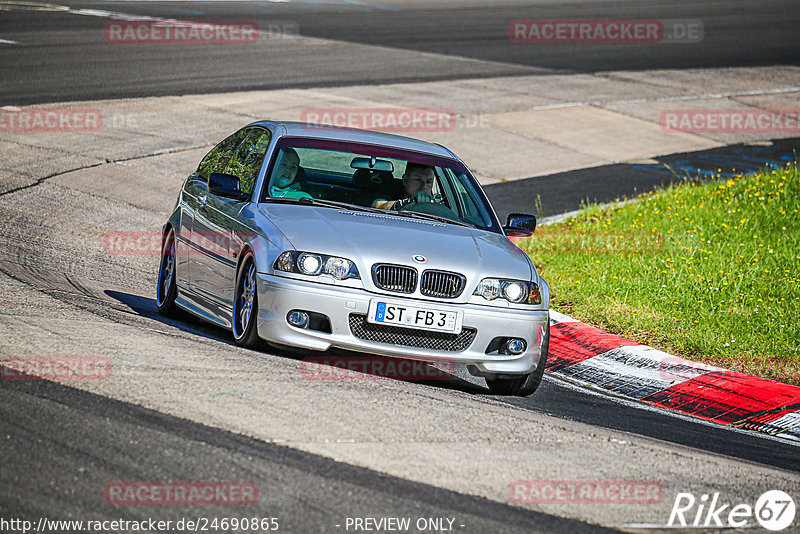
[
  {"x": 417, "y": 186},
  {"x": 285, "y": 184}
]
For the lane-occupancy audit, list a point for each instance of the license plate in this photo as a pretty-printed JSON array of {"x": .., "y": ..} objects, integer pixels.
[{"x": 422, "y": 318}]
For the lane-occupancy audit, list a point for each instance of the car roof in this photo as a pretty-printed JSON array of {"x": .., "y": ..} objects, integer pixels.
[{"x": 355, "y": 135}]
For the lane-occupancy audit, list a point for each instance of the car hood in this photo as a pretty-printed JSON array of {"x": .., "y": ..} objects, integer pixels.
[{"x": 368, "y": 238}]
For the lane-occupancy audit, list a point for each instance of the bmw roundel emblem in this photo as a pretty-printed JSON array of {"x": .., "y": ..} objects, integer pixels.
[{"x": 419, "y": 258}]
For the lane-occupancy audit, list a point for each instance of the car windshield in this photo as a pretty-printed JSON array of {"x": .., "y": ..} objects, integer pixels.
[{"x": 359, "y": 176}]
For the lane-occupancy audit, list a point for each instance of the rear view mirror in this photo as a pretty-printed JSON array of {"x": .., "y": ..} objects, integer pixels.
[{"x": 372, "y": 163}]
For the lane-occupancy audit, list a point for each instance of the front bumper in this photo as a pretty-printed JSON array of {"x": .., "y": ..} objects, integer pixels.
[{"x": 277, "y": 296}]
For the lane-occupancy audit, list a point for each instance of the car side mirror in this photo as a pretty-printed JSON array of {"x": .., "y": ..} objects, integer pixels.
[
  {"x": 520, "y": 225},
  {"x": 226, "y": 185}
]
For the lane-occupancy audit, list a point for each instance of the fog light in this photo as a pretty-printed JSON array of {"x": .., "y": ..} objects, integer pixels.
[
  {"x": 515, "y": 346},
  {"x": 298, "y": 319}
]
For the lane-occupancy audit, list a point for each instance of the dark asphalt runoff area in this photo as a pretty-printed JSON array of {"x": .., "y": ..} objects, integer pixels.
[
  {"x": 568, "y": 191},
  {"x": 61, "y": 56}
]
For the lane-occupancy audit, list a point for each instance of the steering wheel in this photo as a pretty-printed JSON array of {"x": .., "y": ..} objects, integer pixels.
[{"x": 431, "y": 208}]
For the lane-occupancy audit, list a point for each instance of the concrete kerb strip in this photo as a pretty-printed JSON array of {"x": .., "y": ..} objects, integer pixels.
[
  {"x": 561, "y": 217},
  {"x": 587, "y": 355}
]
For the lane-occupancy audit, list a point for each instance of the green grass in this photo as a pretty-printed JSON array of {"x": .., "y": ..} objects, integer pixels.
[{"x": 710, "y": 272}]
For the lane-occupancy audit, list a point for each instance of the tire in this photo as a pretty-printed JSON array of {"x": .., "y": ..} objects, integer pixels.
[
  {"x": 167, "y": 290},
  {"x": 523, "y": 385},
  {"x": 245, "y": 305}
]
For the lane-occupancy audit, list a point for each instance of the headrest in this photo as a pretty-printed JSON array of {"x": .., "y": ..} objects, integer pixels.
[
  {"x": 300, "y": 177},
  {"x": 370, "y": 180}
]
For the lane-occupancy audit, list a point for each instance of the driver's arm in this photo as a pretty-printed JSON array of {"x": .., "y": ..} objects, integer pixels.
[
  {"x": 383, "y": 204},
  {"x": 396, "y": 205}
]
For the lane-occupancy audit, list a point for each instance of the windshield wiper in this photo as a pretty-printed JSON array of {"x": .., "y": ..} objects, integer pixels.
[
  {"x": 430, "y": 217},
  {"x": 324, "y": 203},
  {"x": 281, "y": 200},
  {"x": 336, "y": 204},
  {"x": 344, "y": 205}
]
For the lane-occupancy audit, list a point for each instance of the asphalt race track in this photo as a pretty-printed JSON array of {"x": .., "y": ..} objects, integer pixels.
[
  {"x": 183, "y": 403},
  {"x": 63, "y": 56},
  {"x": 304, "y": 491}
]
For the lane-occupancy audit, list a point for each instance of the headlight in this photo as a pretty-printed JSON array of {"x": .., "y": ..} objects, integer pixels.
[
  {"x": 339, "y": 268},
  {"x": 489, "y": 288},
  {"x": 514, "y": 291},
  {"x": 311, "y": 264}
]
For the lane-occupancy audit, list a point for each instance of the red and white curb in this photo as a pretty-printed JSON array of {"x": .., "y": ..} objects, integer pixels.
[{"x": 585, "y": 354}]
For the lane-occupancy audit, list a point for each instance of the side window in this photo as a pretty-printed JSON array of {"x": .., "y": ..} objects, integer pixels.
[
  {"x": 472, "y": 211},
  {"x": 437, "y": 190},
  {"x": 217, "y": 159},
  {"x": 247, "y": 160}
]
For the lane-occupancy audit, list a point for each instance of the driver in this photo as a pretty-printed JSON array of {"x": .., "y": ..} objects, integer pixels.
[
  {"x": 417, "y": 185},
  {"x": 285, "y": 184}
]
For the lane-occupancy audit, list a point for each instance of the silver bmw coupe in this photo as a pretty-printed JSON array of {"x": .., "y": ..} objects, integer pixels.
[{"x": 318, "y": 237}]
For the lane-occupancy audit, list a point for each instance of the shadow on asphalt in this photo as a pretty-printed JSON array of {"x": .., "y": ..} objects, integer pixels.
[{"x": 334, "y": 364}]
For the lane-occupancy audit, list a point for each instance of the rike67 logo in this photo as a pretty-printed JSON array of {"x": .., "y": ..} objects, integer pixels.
[{"x": 774, "y": 510}]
